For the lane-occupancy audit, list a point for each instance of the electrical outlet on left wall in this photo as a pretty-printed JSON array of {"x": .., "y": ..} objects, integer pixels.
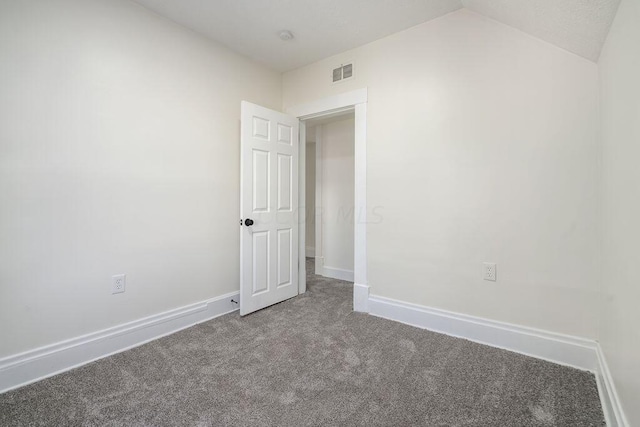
[{"x": 118, "y": 283}]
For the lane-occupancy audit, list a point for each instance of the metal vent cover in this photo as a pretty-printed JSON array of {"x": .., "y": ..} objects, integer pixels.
[
  {"x": 347, "y": 71},
  {"x": 343, "y": 72},
  {"x": 337, "y": 74}
]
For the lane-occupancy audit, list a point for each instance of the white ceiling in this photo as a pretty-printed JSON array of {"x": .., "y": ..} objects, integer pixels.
[
  {"x": 579, "y": 26},
  {"x": 321, "y": 27},
  {"x": 325, "y": 27}
]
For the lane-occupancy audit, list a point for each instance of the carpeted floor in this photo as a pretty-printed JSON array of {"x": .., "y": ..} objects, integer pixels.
[{"x": 310, "y": 361}]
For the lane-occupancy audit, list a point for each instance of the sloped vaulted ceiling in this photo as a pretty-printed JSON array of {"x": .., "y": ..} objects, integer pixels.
[
  {"x": 579, "y": 26},
  {"x": 324, "y": 28}
]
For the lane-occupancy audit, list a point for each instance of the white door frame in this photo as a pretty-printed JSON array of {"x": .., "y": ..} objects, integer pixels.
[
  {"x": 350, "y": 101},
  {"x": 319, "y": 255}
]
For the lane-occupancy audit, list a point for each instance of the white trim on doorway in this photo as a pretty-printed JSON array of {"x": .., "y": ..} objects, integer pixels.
[
  {"x": 319, "y": 257},
  {"x": 329, "y": 106},
  {"x": 302, "y": 213},
  {"x": 350, "y": 101}
]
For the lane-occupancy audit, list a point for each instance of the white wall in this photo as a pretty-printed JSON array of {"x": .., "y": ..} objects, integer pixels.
[
  {"x": 310, "y": 188},
  {"x": 338, "y": 163},
  {"x": 119, "y": 153},
  {"x": 620, "y": 95},
  {"x": 482, "y": 146}
]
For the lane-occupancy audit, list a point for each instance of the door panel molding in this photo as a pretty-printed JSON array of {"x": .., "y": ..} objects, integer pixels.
[{"x": 269, "y": 147}]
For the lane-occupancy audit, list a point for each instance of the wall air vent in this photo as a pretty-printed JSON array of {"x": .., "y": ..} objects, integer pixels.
[
  {"x": 347, "y": 71},
  {"x": 337, "y": 74},
  {"x": 342, "y": 73}
]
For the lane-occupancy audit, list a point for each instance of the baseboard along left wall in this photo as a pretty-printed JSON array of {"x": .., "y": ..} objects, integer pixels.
[{"x": 35, "y": 365}]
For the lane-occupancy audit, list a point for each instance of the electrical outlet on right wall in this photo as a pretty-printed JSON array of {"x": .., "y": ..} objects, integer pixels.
[
  {"x": 118, "y": 283},
  {"x": 489, "y": 271}
]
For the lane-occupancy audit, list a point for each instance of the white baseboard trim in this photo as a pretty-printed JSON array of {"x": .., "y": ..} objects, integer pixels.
[
  {"x": 337, "y": 273},
  {"x": 34, "y": 365},
  {"x": 566, "y": 350},
  {"x": 360, "y": 298},
  {"x": 563, "y": 349},
  {"x": 310, "y": 252},
  {"x": 611, "y": 404}
]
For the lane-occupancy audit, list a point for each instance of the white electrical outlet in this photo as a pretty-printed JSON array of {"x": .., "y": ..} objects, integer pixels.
[
  {"x": 489, "y": 271},
  {"x": 118, "y": 283}
]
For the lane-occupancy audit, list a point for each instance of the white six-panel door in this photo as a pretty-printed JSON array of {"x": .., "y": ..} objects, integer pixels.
[{"x": 269, "y": 199}]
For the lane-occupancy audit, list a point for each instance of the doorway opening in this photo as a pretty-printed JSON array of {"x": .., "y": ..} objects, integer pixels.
[
  {"x": 330, "y": 198},
  {"x": 354, "y": 103}
]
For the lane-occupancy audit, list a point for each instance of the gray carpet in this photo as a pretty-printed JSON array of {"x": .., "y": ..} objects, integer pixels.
[{"x": 309, "y": 361}]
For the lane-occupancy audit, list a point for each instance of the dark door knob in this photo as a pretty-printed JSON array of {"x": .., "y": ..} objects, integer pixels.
[{"x": 248, "y": 222}]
